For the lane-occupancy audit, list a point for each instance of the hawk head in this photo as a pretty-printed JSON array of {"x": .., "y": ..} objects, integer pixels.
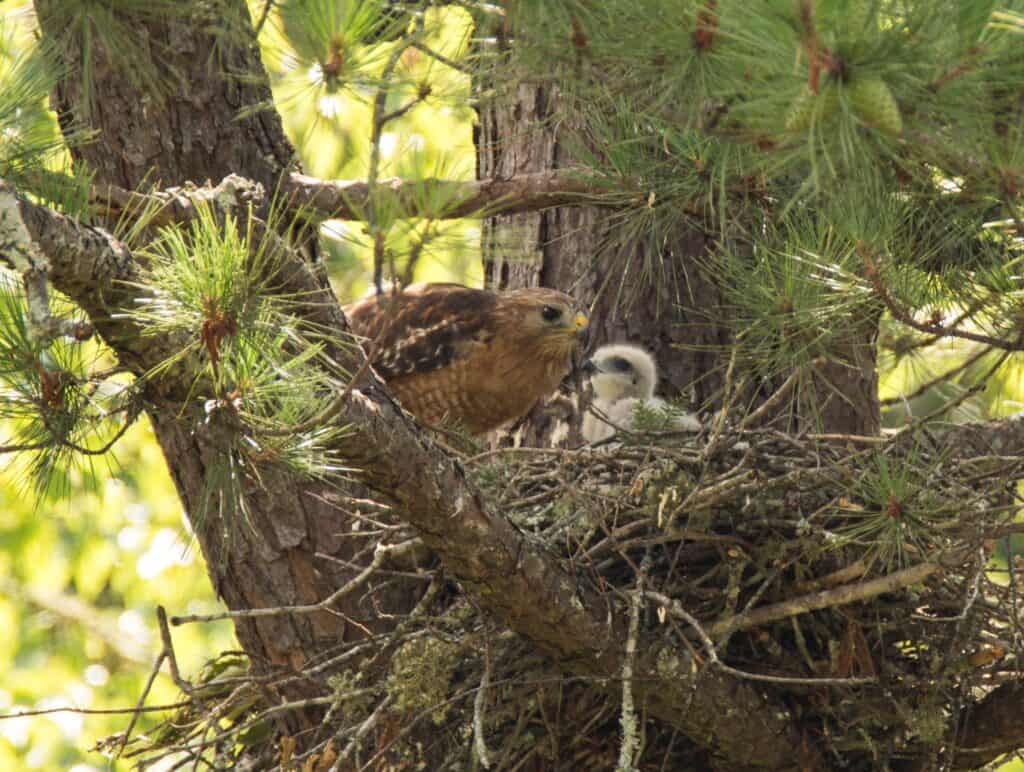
[
  {"x": 545, "y": 321},
  {"x": 621, "y": 371}
]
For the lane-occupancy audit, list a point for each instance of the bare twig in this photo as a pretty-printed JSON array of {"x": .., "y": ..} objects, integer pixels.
[
  {"x": 772, "y": 402},
  {"x": 361, "y": 732},
  {"x": 628, "y": 747},
  {"x": 673, "y": 607},
  {"x": 900, "y": 314},
  {"x": 380, "y": 554},
  {"x": 941, "y": 378},
  {"x": 434, "y": 54},
  {"x": 479, "y": 741},
  {"x": 157, "y": 664},
  {"x": 97, "y": 711},
  {"x": 963, "y": 397},
  {"x": 825, "y": 599}
]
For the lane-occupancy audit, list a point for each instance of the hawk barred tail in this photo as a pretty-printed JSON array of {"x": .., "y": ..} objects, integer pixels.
[{"x": 471, "y": 356}]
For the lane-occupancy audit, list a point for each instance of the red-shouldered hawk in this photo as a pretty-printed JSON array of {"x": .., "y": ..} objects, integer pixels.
[
  {"x": 472, "y": 356},
  {"x": 624, "y": 377}
]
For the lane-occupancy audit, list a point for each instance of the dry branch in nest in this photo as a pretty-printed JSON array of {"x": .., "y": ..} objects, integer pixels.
[{"x": 853, "y": 582}]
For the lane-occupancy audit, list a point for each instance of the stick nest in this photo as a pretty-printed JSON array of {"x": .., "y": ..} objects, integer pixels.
[{"x": 859, "y": 582}]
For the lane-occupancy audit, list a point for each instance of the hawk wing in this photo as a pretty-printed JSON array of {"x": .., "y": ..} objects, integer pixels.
[{"x": 425, "y": 328}]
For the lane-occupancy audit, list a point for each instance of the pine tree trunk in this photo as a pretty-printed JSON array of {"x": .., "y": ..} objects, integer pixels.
[{"x": 297, "y": 544}]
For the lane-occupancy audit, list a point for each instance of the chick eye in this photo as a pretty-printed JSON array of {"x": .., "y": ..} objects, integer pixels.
[
  {"x": 621, "y": 365},
  {"x": 550, "y": 313}
]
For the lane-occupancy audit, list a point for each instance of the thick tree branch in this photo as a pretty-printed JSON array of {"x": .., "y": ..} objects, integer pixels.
[
  {"x": 448, "y": 199},
  {"x": 988, "y": 729},
  {"x": 350, "y": 199},
  {"x": 528, "y": 589},
  {"x": 992, "y": 727}
]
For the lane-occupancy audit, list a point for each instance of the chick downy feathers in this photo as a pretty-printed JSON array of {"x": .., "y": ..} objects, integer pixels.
[{"x": 624, "y": 378}]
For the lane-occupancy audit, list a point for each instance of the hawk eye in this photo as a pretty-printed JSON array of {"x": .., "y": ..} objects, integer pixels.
[
  {"x": 551, "y": 314},
  {"x": 621, "y": 365}
]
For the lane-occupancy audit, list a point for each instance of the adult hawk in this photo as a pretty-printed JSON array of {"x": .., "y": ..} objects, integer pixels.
[{"x": 471, "y": 356}]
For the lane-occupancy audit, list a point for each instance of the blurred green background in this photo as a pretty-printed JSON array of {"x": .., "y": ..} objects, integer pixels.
[{"x": 83, "y": 567}]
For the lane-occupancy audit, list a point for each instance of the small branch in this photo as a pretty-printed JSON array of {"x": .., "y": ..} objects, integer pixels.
[
  {"x": 22, "y": 253},
  {"x": 264, "y": 15},
  {"x": 772, "y": 402},
  {"x": 168, "y": 651},
  {"x": 673, "y": 607},
  {"x": 95, "y": 711},
  {"x": 855, "y": 570},
  {"x": 321, "y": 199},
  {"x": 380, "y": 553},
  {"x": 377, "y": 122},
  {"x": 479, "y": 741},
  {"x": 364, "y": 729},
  {"x": 977, "y": 388},
  {"x": 627, "y": 751},
  {"x": 16, "y": 244},
  {"x": 176, "y": 204},
  {"x": 399, "y": 112},
  {"x": 438, "y": 56},
  {"x": 25, "y": 447},
  {"x": 969, "y": 63},
  {"x": 900, "y": 314},
  {"x": 819, "y": 58},
  {"x": 951, "y": 373},
  {"x": 451, "y": 199},
  {"x": 825, "y": 599},
  {"x": 154, "y": 671}
]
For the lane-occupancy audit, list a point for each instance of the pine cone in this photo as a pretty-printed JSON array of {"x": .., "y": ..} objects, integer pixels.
[
  {"x": 809, "y": 108},
  {"x": 873, "y": 103}
]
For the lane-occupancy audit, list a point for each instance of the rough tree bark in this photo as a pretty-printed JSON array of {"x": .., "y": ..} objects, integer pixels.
[{"x": 192, "y": 132}]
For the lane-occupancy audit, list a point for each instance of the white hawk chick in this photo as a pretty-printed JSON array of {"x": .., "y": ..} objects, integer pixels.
[{"x": 624, "y": 377}]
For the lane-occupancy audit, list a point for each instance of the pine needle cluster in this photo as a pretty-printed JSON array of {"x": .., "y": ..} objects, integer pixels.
[{"x": 257, "y": 368}]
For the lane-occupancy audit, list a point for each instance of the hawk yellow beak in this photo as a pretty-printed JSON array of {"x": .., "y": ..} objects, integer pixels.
[{"x": 580, "y": 322}]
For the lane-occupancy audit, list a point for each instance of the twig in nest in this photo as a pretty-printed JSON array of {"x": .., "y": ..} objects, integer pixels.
[
  {"x": 361, "y": 732},
  {"x": 855, "y": 570},
  {"x": 770, "y": 404},
  {"x": 825, "y": 599},
  {"x": 728, "y": 400},
  {"x": 380, "y": 553},
  {"x": 672, "y": 607},
  {"x": 166, "y": 653},
  {"x": 479, "y": 742}
]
